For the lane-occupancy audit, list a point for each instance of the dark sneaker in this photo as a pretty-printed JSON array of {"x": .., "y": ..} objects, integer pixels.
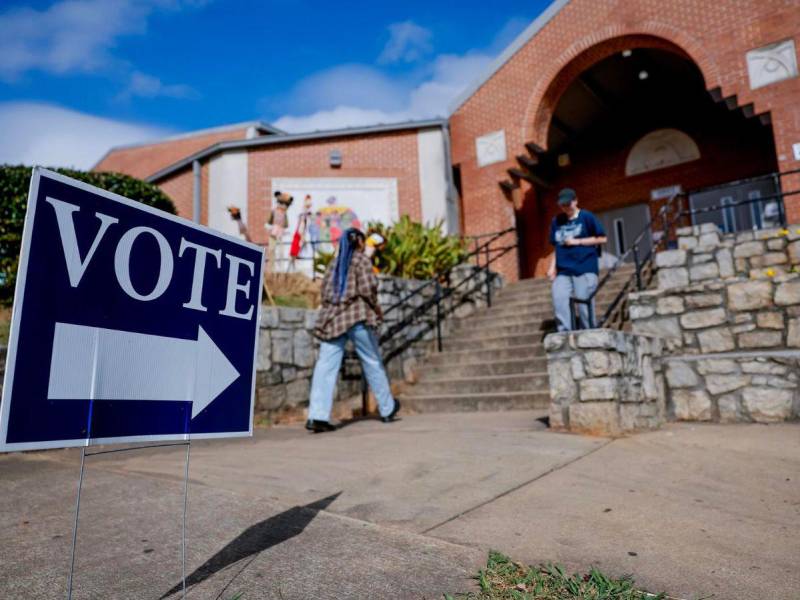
[
  {"x": 319, "y": 426},
  {"x": 390, "y": 417}
]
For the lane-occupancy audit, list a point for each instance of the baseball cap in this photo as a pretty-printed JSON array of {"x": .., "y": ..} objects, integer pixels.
[{"x": 566, "y": 196}]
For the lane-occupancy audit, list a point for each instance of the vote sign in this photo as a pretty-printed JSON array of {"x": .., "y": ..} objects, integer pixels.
[{"x": 129, "y": 324}]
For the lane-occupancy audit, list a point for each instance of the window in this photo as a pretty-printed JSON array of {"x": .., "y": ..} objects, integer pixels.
[
  {"x": 728, "y": 214},
  {"x": 619, "y": 230}
]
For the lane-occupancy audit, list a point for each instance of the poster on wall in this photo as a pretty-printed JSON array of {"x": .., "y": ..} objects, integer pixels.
[{"x": 325, "y": 207}]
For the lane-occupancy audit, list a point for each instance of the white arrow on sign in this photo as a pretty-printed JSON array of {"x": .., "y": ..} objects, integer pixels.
[{"x": 91, "y": 363}]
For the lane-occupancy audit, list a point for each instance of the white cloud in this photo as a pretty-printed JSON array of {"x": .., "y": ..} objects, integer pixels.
[
  {"x": 49, "y": 135},
  {"x": 142, "y": 85},
  {"x": 408, "y": 42},
  {"x": 73, "y": 36},
  {"x": 355, "y": 95}
]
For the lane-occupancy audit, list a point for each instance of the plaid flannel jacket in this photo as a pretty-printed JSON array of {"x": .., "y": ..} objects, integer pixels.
[{"x": 357, "y": 305}]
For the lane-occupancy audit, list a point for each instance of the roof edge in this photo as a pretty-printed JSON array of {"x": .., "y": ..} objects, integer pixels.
[
  {"x": 523, "y": 38},
  {"x": 259, "y": 125},
  {"x": 292, "y": 137}
]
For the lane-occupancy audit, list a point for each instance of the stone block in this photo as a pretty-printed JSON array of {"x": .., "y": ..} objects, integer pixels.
[
  {"x": 708, "y": 239},
  {"x": 684, "y": 231},
  {"x": 760, "y": 339},
  {"x": 767, "y": 405},
  {"x": 793, "y": 250},
  {"x": 691, "y": 405},
  {"x": 563, "y": 388},
  {"x": 703, "y": 300},
  {"x": 776, "y": 244},
  {"x": 704, "y": 318},
  {"x": 741, "y": 265},
  {"x": 264, "y": 354},
  {"x": 721, "y": 384},
  {"x": 748, "y": 249},
  {"x": 599, "y": 363},
  {"x": 292, "y": 315},
  {"x": 640, "y": 311},
  {"x": 716, "y": 365},
  {"x": 681, "y": 375},
  {"x": 762, "y": 366},
  {"x": 288, "y": 374},
  {"x": 303, "y": 348},
  {"x": 728, "y": 408},
  {"x": 670, "y": 258},
  {"x": 788, "y": 293},
  {"x": 687, "y": 242},
  {"x": 282, "y": 351},
  {"x": 599, "y": 388},
  {"x": 716, "y": 340},
  {"x": 772, "y": 381},
  {"x": 599, "y": 418},
  {"x": 770, "y": 320},
  {"x": 743, "y": 328},
  {"x": 774, "y": 258},
  {"x": 671, "y": 305},
  {"x": 672, "y": 278},
  {"x": 576, "y": 366},
  {"x": 269, "y": 317},
  {"x": 311, "y": 319},
  {"x": 725, "y": 262},
  {"x": 555, "y": 341},
  {"x": 706, "y": 228},
  {"x": 660, "y": 327},
  {"x": 297, "y": 391},
  {"x": 702, "y": 257},
  {"x": 793, "y": 335},
  {"x": 597, "y": 338},
  {"x": 750, "y": 295},
  {"x": 559, "y": 416},
  {"x": 650, "y": 387},
  {"x": 745, "y": 236}
]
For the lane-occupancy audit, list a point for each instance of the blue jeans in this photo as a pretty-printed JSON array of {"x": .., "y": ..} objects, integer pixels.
[
  {"x": 326, "y": 372},
  {"x": 580, "y": 286}
]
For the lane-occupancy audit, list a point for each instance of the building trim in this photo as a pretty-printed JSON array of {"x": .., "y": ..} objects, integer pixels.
[
  {"x": 507, "y": 54},
  {"x": 291, "y": 138}
]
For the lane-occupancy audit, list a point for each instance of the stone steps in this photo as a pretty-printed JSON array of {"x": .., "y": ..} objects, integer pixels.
[
  {"x": 535, "y": 364},
  {"x": 471, "y": 355},
  {"x": 475, "y": 402},
  {"x": 494, "y": 359},
  {"x": 485, "y": 384}
]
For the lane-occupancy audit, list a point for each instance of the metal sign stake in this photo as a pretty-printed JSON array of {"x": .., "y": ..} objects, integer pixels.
[
  {"x": 183, "y": 529},
  {"x": 75, "y": 526}
]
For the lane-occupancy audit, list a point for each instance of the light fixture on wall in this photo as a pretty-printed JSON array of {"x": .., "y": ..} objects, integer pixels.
[
  {"x": 643, "y": 75},
  {"x": 627, "y": 53},
  {"x": 335, "y": 159},
  {"x": 563, "y": 160}
]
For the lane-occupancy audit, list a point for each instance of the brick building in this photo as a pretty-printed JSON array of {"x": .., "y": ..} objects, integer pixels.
[{"x": 623, "y": 101}]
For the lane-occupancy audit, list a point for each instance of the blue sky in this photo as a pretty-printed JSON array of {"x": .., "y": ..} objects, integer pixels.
[{"x": 78, "y": 76}]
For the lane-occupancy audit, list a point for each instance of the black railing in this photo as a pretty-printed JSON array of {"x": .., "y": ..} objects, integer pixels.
[
  {"x": 429, "y": 303},
  {"x": 670, "y": 215}
]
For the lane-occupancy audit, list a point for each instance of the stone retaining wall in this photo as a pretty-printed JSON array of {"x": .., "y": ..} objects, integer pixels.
[
  {"x": 605, "y": 382},
  {"x": 703, "y": 254},
  {"x": 288, "y": 350}
]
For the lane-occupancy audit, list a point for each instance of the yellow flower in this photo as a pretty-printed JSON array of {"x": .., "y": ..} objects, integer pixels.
[
  {"x": 784, "y": 232},
  {"x": 770, "y": 272},
  {"x": 797, "y": 231}
]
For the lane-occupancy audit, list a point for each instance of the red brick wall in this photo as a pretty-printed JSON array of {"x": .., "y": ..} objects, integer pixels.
[
  {"x": 391, "y": 154},
  {"x": 179, "y": 187},
  {"x": 520, "y": 96},
  {"x": 143, "y": 161}
]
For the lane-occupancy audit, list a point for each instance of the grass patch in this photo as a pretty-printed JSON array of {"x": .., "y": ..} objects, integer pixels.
[
  {"x": 292, "y": 301},
  {"x": 503, "y": 579},
  {"x": 5, "y": 325}
]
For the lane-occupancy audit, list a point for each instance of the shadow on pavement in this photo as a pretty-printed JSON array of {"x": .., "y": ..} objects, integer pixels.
[{"x": 255, "y": 539}]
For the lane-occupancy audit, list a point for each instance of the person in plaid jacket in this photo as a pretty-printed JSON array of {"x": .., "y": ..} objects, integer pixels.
[{"x": 350, "y": 310}]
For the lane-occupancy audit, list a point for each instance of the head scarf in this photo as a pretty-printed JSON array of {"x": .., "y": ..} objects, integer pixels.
[{"x": 348, "y": 244}]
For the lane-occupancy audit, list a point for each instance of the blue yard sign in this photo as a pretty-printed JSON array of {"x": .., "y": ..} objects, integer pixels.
[{"x": 129, "y": 324}]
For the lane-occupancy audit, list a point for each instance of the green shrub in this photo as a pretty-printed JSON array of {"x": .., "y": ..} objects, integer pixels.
[
  {"x": 14, "y": 184},
  {"x": 417, "y": 251}
]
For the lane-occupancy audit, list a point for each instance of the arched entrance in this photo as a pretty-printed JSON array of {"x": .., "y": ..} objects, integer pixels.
[{"x": 624, "y": 120}]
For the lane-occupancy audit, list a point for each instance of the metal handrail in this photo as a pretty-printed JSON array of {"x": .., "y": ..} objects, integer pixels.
[{"x": 642, "y": 264}]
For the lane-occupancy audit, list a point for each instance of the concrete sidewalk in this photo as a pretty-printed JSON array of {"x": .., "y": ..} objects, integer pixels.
[{"x": 409, "y": 510}]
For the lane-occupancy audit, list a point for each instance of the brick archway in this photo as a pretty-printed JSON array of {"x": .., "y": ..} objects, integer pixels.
[{"x": 591, "y": 49}]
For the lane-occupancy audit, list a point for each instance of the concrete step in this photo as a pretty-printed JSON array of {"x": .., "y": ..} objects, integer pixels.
[
  {"x": 471, "y": 355},
  {"x": 536, "y": 364},
  {"x": 609, "y": 290},
  {"x": 491, "y": 342},
  {"x": 500, "y": 384},
  {"x": 475, "y": 402},
  {"x": 488, "y": 329}
]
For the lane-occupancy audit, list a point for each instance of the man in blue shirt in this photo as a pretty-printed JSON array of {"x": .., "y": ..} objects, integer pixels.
[{"x": 577, "y": 236}]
